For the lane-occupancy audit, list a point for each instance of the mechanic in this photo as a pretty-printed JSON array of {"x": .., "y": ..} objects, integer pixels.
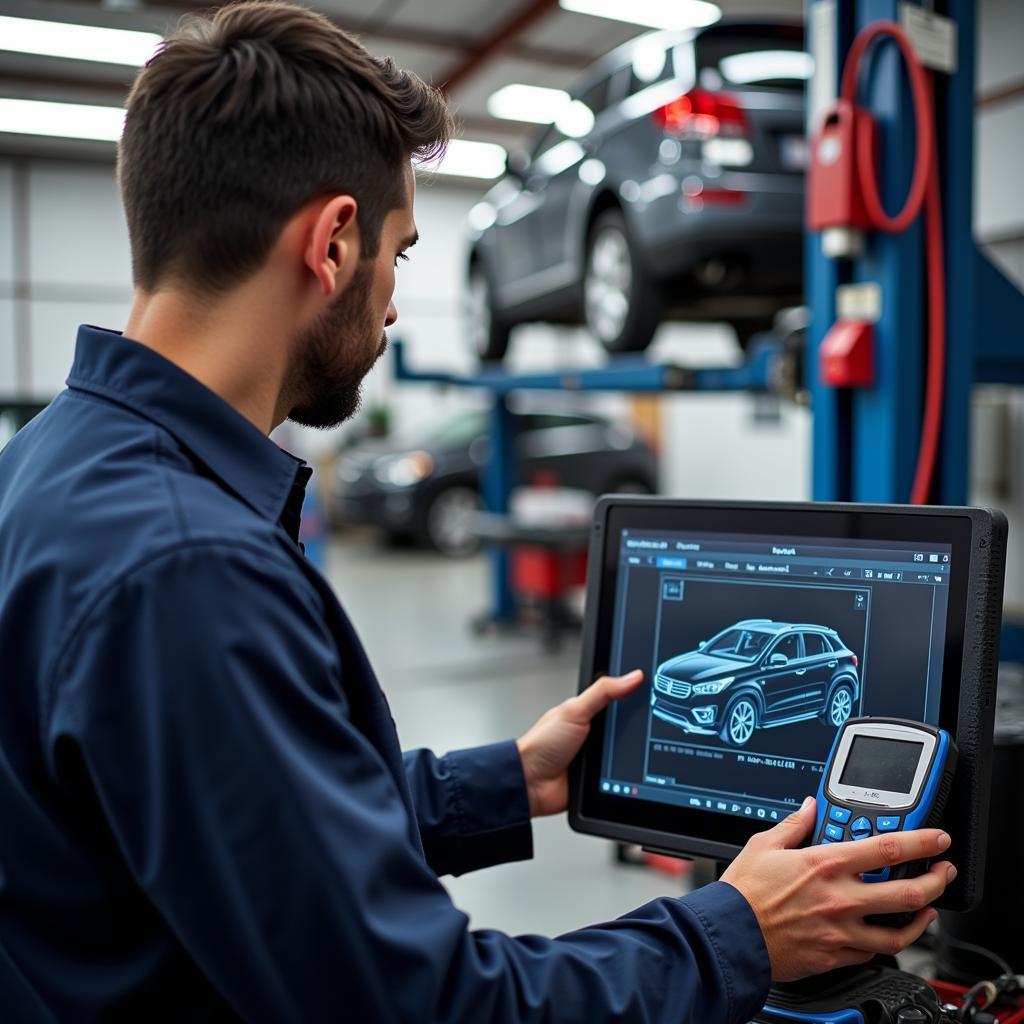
[{"x": 205, "y": 812}]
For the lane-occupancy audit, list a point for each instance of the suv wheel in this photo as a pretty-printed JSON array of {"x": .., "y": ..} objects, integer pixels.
[
  {"x": 740, "y": 722},
  {"x": 840, "y": 706},
  {"x": 488, "y": 334},
  {"x": 621, "y": 305},
  {"x": 446, "y": 522}
]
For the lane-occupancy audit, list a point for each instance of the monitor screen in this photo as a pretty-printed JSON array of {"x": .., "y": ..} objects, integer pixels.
[
  {"x": 762, "y": 627},
  {"x": 756, "y": 650},
  {"x": 877, "y": 763}
]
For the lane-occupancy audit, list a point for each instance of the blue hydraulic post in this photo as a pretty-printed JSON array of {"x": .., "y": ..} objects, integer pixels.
[
  {"x": 955, "y": 95},
  {"x": 499, "y": 477},
  {"x": 828, "y": 29},
  {"x": 887, "y": 416}
]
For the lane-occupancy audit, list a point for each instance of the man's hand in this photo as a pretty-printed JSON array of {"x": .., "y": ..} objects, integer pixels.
[
  {"x": 811, "y": 903},
  {"x": 547, "y": 748}
]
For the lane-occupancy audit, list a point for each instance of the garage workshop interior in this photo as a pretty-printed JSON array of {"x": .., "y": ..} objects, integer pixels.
[{"x": 702, "y": 355}]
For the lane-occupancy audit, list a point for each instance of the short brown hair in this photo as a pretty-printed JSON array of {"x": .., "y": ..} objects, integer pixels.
[{"x": 245, "y": 115}]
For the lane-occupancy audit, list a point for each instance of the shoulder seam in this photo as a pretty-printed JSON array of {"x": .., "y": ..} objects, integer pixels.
[{"x": 111, "y": 586}]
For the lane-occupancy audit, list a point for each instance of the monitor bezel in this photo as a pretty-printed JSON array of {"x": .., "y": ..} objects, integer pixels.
[{"x": 977, "y": 539}]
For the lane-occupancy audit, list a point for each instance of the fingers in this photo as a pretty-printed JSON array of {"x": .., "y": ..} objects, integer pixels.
[
  {"x": 890, "y": 941},
  {"x": 792, "y": 831},
  {"x": 891, "y": 848},
  {"x": 599, "y": 695},
  {"x": 909, "y": 894}
]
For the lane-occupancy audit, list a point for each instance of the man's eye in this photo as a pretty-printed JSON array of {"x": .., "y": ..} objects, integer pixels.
[{"x": 401, "y": 256}]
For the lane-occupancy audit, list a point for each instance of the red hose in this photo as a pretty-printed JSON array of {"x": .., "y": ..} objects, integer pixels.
[{"x": 924, "y": 190}]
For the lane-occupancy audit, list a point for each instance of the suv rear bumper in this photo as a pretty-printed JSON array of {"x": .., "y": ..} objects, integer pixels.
[{"x": 760, "y": 230}]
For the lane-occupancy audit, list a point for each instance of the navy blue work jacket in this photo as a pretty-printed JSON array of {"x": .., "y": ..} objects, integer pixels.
[{"x": 204, "y": 811}]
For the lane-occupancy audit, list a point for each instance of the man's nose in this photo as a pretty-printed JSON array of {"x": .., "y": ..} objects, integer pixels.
[{"x": 392, "y": 315}]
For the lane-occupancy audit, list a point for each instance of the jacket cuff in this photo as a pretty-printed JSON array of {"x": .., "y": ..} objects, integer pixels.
[
  {"x": 735, "y": 936},
  {"x": 491, "y": 806}
]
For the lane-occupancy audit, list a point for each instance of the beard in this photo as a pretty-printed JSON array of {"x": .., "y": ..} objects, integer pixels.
[{"x": 334, "y": 354}]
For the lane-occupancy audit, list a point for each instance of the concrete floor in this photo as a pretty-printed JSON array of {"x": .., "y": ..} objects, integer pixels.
[{"x": 451, "y": 689}]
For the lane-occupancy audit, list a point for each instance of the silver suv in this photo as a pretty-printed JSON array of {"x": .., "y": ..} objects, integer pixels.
[{"x": 675, "y": 188}]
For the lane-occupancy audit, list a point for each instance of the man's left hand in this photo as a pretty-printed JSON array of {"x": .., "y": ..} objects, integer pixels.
[{"x": 547, "y": 748}]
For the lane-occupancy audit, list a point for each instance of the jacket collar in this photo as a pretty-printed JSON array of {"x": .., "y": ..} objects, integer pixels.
[{"x": 237, "y": 453}]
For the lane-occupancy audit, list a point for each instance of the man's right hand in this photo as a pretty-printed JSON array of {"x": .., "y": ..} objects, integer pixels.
[{"x": 811, "y": 902}]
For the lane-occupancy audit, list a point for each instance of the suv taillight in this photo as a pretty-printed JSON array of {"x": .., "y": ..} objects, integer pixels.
[{"x": 704, "y": 115}]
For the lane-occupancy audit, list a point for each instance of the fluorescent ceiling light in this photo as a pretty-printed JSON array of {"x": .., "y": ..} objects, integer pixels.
[
  {"x": 531, "y": 103},
  {"x": 78, "y": 42},
  {"x": 467, "y": 159},
  {"x": 766, "y": 65},
  {"x": 62, "y": 120},
  {"x": 670, "y": 14}
]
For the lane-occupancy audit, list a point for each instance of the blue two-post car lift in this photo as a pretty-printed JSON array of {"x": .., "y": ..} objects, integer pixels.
[
  {"x": 865, "y": 439},
  {"x": 765, "y": 366}
]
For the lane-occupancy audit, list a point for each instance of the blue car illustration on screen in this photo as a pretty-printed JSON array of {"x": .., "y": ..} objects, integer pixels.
[{"x": 758, "y": 674}]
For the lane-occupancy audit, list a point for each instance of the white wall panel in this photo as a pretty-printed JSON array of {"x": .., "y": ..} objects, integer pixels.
[
  {"x": 8, "y": 381},
  {"x": 77, "y": 230},
  {"x": 999, "y": 156},
  {"x": 54, "y": 326},
  {"x": 6, "y": 226},
  {"x": 1000, "y": 24}
]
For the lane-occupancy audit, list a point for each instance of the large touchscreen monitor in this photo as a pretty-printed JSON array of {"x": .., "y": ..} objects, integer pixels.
[{"x": 761, "y": 628}]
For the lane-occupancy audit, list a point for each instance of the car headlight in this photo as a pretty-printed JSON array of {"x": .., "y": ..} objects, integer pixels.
[
  {"x": 716, "y": 687},
  {"x": 403, "y": 470}
]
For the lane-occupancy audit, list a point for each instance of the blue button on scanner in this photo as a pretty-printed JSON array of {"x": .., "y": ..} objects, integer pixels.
[
  {"x": 834, "y": 832},
  {"x": 860, "y": 827},
  {"x": 887, "y": 824},
  {"x": 840, "y": 814}
]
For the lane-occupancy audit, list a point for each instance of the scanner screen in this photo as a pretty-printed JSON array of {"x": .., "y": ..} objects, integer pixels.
[{"x": 877, "y": 763}]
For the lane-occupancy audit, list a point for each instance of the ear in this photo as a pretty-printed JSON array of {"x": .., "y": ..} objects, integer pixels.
[{"x": 333, "y": 248}]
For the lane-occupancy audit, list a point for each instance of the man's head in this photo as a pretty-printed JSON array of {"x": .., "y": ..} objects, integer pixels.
[{"x": 248, "y": 118}]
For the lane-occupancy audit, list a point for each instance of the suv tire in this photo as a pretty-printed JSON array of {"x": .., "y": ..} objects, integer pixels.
[
  {"x": 739, "y": 721},
  {"x": 487, "y": 332},
  {"x": 622, "y": 306},
  {"x": 838, "y": 707},
  {"x": 443, "y": 527}
]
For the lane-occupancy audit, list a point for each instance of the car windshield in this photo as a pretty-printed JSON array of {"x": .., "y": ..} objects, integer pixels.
[
  {"x": 742, "y": 644},
  {"x": 775, "y": 60}
]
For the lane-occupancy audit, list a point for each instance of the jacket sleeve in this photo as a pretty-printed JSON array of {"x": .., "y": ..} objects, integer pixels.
[
  {"x": 268, "y": 834},
  {"x": 471, "y": 807}
]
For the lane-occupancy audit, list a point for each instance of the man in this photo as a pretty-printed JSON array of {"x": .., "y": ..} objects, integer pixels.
[{"x": 205, "y": 813}]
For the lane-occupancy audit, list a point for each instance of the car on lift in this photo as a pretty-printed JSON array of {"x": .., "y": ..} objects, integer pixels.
[
  {"x": 758, "y": 674},
  {"x": 427, "y": 489},
  {"x": 672, "y": 185}
]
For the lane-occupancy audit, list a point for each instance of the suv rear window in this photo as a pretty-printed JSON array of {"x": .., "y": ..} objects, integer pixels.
[{"x": 770, "y": 60}]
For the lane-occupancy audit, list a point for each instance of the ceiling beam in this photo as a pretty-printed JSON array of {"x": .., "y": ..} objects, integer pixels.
[
  {"x": 501, "y": 38},
  {"x": 458, "y": 43}
]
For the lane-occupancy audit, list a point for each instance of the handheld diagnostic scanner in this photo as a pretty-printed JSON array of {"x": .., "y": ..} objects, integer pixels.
[{"x": 884, "y": 775}]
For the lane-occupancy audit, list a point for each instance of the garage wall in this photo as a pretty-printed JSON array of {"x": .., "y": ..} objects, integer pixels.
[{"x": 998, "y": 437}]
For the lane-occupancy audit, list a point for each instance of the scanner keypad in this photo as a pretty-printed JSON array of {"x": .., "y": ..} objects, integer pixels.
[{"x": 860, "y": 828}]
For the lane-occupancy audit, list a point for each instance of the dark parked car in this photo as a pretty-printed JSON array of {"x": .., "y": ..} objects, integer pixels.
[
  {"x": 427, "y": 489},
  {"x": 755, "y": 675},
  {"x": 673, "y": 186}
]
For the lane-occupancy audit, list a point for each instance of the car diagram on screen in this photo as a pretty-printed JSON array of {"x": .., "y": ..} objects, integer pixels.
[{"x": 758, "y": 674}]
